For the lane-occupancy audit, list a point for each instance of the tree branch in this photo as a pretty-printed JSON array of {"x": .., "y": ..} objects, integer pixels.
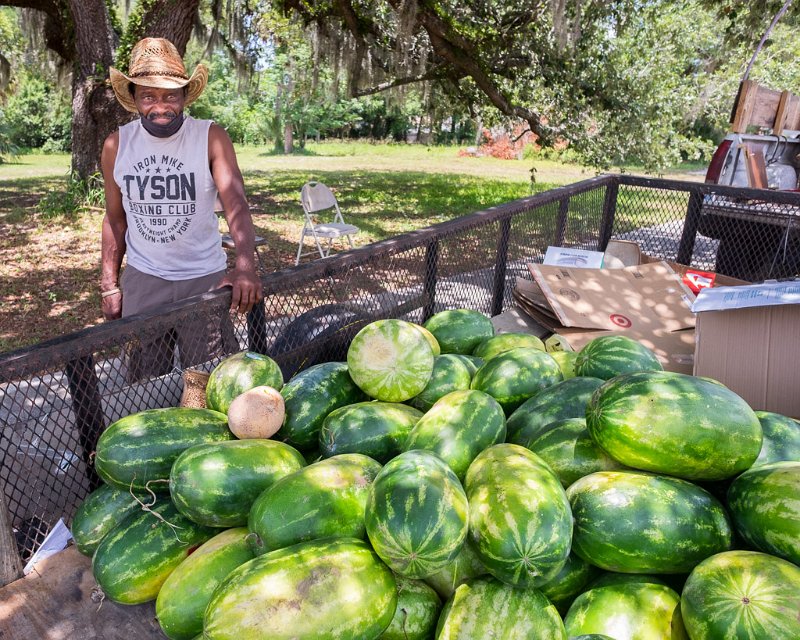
[{"x": 432, "y": 74}]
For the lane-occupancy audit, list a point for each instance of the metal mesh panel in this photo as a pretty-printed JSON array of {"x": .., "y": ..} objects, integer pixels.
[{"x": 56, "y": 398}]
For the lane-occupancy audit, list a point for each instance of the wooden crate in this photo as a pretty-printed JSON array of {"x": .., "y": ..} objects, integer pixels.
[{"x": 757, "y": 106}]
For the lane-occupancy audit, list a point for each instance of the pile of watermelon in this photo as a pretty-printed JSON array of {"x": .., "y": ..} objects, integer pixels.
[{"x": 449, "y": 483}]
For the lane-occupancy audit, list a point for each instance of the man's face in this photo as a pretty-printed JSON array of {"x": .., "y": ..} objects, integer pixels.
[{"x": 159, "y": 105}]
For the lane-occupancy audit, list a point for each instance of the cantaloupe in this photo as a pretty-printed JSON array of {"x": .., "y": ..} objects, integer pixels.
[{"x": 256, "y": 413}]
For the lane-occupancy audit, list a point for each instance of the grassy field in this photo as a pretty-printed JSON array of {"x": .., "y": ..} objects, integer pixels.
[{"x": 49, "y": 266}]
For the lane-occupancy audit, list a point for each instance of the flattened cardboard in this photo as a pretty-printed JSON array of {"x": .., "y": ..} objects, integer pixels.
[{"x": 641, "y": 298}]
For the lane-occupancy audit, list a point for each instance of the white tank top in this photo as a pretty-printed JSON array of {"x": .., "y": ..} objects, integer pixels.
[{"x": 168, "y": 195}]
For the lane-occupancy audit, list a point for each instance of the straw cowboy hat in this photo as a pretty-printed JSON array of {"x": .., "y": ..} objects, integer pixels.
[{"x": 155, "y": 62}]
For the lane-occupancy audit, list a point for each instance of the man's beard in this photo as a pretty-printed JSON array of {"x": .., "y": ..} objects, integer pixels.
[{"x": 162, "y": 130}]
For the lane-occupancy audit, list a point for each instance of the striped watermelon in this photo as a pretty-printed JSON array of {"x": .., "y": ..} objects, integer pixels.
[
  {"x": 437, "y": 350},
  {"x": 564, "y": 400},
  {"x": 627, "y": 612},
  {"x": 101, "y": 511},
  {"x": 641, "y": 523},
  {"x": 141, "y": 447},
  {"x": 516, "y": 375},
  {"x": 135, "y": 558},
  {"x": 333, "y": 589},
  {"x": 310, "y": 396},
  {"x": 502, "y": 342},
  {"x": 566, "y": 362},
  {"x": 473, "y": 363},
  {"x": 324, "y": 499},
  {"x": 765, "y": 507},
  {"x": 674, "y": 424},
  {"x": 562, "y": 589},
  {"x": 742, "y": 594},
  {"x": 488, "y": 608},
  {"x": 459, "y": 330},
  {"x": 570, "y": 451},
  {"x": 610, "y": 356},
  {"x": 466, "y": 566},
  {"x": 216, "y": 484},
  {"x": 781, "y": 438},
  {"x": 375, "y": 429},
  {"x": 449, "y": 374},
  {"x": 417, "y": 611},
  {"x": 186, "y": 592},
  {"x": 458, "y": 427},
  {"x": 238, "y": 373},
  {"x": 390, "y": 360},
  {"x": 416, "y": 515},
  {"x": 520, "y": 522}
]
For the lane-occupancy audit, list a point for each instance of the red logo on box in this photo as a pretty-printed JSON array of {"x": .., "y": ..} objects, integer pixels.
[
  {"x": 697, "y": 280},
  {"x": 620, "y": 320}
]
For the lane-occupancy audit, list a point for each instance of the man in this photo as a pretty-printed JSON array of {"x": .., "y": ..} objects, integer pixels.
[{"x": 162, "y": 175}]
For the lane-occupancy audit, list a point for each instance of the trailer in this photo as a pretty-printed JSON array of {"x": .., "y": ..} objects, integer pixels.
[{"x": 57, "y": 397}]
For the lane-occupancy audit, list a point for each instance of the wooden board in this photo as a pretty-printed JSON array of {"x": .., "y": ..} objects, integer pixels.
[{"x": 55, "y": 602}]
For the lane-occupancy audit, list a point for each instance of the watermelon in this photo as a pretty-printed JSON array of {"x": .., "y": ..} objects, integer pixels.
[
  {"x": 781, "y": 438},
  {"x": 520, "y": 522},
  {"x": 567, "y": 399},
  {"x": 416, "y": 515},
  {"x": 375, "y": 429},
  {"x": 216, "y": 484},
  {"x": 766, "y": 510},
  {"x": 101, "y": 511},
  {"x": 238, "y": 373},
  {"x": 674, "y": 424},
  {"x": 186, "y": 592},
  {"x": 449, "y": 374},
  {"x": 390, "y": 360},
  {"x": 516, "y": 375},
  {"x": 141, "y": 447},
  {"x": 488, "y": 608},
  {"x": 502, "y": 342},
  {"x": 136, "y": 557},
  {"x": 466, "y": 566},
  {"x": 324, "y": 499},
  {"x": 610, "y": 577},
  {"x": 569, "y": 582},
  {"x": 459, "y": 330},
  {"x": 627, "y": 612},
  {"x": 566, "y": 362},
  {"x": 437, "y": 350},
  {"x": 742, "y": 594},
  {"x": 417, "y": 611},
  {"x": 332, "y": 589},
  {"x": 570, "y": 451},
  {"x": 310, "y": 396},
  {"x": 473, "y": 363},
  {"x": 635, "y": 522},
  {"x": 458, "y": 427},
  {"x": 610, "y": 356}
]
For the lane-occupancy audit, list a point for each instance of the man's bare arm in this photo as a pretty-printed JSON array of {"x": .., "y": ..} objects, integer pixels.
[
  {"x": 115, "y": 225},
  {"x": 247, "y": 289}
]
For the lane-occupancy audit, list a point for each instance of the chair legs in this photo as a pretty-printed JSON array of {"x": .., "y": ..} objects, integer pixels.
[{"x": 324, "y": 249}]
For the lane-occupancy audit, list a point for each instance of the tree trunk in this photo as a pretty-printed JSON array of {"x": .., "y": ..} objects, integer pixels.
[
  {"x": 95, "y": 110},
  {"x": 288, "y": 138}
]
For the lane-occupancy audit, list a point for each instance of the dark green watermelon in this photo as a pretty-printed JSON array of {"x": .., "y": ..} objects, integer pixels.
[
  {"x": 635, "y": 522},
  {"x": 450, "y": 373},
  {"x": 310, "y": 396},
  {"x": 459, "y": 330},
  {"x": 375, "y": 429},
  {"x": 610, "y": 356},
  {"x": 567, "y": 399},
  {"x": 238, "y": 373},
  {"x": 781, "y": 438},
  {"x": 101, "y": 511},
  {"x": 502, "y": 342},
  {"x": 418, "y": 607}
]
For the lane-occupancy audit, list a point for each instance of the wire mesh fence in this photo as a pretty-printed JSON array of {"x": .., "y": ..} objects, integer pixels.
[{"x": 56, "y": 398}]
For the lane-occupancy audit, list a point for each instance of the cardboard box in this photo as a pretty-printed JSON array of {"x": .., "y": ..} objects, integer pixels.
[
  {"x": 748, "y": 339},
  {"x": 649, "y": 303}
]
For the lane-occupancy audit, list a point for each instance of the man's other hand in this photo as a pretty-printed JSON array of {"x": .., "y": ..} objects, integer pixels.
[
  {"x": 112, "y": 306},
  {"x": 247, "y": 290}
]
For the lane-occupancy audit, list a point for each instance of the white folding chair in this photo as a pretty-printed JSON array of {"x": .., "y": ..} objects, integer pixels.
[{"x": 316, "y": 197}]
